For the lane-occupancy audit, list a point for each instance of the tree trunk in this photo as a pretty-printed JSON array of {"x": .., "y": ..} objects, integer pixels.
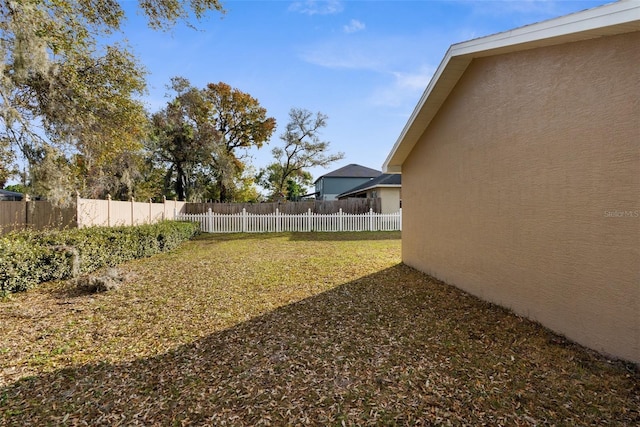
[{"x": 180, "y": 182}]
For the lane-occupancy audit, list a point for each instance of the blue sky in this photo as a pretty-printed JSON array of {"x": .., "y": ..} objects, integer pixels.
[{"x": 363, "y": 63}]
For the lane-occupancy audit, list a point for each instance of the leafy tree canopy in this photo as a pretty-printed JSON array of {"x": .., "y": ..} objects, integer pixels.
[
  {"x": 182, "y": 138},
  {"x": 242, "y": 123},
  {"x": 200, "y": 136},
  {"x": 60, "y": 85}
]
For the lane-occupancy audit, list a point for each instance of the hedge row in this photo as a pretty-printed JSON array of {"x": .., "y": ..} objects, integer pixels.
[{"x": 28, "y": 258}]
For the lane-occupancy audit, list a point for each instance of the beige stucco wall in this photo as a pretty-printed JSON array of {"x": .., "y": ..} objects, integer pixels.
[
  {"x": 390, "y": 199},
  {"x": 525, "y": 189}
]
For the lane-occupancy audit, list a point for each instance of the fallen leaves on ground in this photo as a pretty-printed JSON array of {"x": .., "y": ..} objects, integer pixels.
[{"x": 293, "y": 329}]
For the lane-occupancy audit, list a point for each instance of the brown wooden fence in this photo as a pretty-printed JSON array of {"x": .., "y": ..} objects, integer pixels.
[{"x": 37, "y": 214}]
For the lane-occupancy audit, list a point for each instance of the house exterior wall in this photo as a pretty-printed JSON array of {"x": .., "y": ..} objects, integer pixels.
[
  {"x": 525, "y": 189},
  {"x": 330, "y": 187},
  {"x": 390, "y": 198}
]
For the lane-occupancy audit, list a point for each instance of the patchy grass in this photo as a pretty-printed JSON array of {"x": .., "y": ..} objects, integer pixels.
[{"x": 286, "y": 329}]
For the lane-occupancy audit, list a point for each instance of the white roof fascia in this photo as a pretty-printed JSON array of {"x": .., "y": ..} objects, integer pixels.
[{"x": 615, "y": 18}]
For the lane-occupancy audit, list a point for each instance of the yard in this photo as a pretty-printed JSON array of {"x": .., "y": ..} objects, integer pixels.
[{"x": 288, "y": 329}]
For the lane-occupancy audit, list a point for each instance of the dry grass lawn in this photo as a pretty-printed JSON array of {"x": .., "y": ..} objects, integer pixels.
[{"x": 291, "y": 329}]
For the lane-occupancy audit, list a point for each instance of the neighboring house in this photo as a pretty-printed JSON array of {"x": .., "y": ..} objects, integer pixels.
[
  {"x": 521, "y": 174},
  {"x": 340, "y": 180},
  {"x": 12, "y": 196},
  {"x": 387, "y": 187}
]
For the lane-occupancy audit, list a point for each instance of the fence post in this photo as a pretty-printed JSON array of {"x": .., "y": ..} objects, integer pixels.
[
  {"x": 209, "y": 222},
  {"x": 175, "y": 208},
  {"x": 340, "y": 220},
  {"x": 27, "y": 200},
  {"x": 132, "y": 202},
  {"x": 244, "y": 220},
  {"x": 371, "y": 220},
  {"x": 164, "y": 207},
  {"x": 108, "y": 210},
  {"x": 277, "y": 220},
  {"x": 400, "y": 219},
  {"x": 309, "y": 218},
  {"x": 77, "y": 209}
]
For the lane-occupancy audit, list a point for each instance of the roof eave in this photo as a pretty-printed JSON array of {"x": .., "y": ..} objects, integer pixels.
[
  {"x": 616, "y": 18},
  {"x": 370, "y": 188}
]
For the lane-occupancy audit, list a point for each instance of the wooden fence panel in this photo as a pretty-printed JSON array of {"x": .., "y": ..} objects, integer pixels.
[
  {"x": 13, "y": 216},
  {"x": 42, "y": 214},
  {"x": 36, "y": 214}
]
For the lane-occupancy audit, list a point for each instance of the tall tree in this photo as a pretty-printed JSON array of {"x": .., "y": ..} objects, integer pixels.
[
  {"x": 202, "y": 135},
  {"x": 243, "y": 123},
  {"x": 302, "y": 150},
  {"x": 61, "y": 86},
  {"x": 184, "y": 138}
]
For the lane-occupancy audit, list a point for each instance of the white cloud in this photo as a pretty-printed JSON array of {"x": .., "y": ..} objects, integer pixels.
[
  {"x": 317, "y": 7},
  {"x": 353, "y": 56},
  {"x": 414, "y": 81},
  {"x": 402, "y": 66},
  {"x": 353, "y": 26},
  {"x": 404, "y": 90},
  {"x": 371, "y": 53}
]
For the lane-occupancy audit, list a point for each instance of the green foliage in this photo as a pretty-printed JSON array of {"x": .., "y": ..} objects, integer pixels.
[
  {"x": 182, "y": 138},
  {"x": 294, "y": 190},
  {"x": 28, "y": 258},
  {"x": 201, "y": 137},
  {"x": 52, "y": 175},
  {"x": 66, "y": 81},
  {"x": 17, "y": 188},
  {"x": 242, "y": 123}
]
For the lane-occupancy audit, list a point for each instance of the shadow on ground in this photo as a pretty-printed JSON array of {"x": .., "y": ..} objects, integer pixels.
[{"x": 392, "y": 348}]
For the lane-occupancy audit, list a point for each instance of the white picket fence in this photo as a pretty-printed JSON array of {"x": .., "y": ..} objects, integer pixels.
[{"x": 244, "y": 222}]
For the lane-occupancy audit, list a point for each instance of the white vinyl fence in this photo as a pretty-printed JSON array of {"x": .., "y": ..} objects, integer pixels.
[
  {"x": 276, "y": 222},
  {"x": 110, "y": 213}
]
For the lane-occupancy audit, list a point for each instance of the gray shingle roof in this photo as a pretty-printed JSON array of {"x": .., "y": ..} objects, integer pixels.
[
  {"x": 353, "y": 171},
  {"x": 384, "y": 180},
  {"x": 10, "y": 195}
]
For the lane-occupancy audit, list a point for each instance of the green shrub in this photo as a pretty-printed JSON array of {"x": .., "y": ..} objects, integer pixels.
[{"x": 31, "y": 257}]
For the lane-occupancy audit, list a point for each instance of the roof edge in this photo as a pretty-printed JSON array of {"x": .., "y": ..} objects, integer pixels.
[
  {"x": 369, "y": 188},
  {"x": 610, "y": 19}
]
